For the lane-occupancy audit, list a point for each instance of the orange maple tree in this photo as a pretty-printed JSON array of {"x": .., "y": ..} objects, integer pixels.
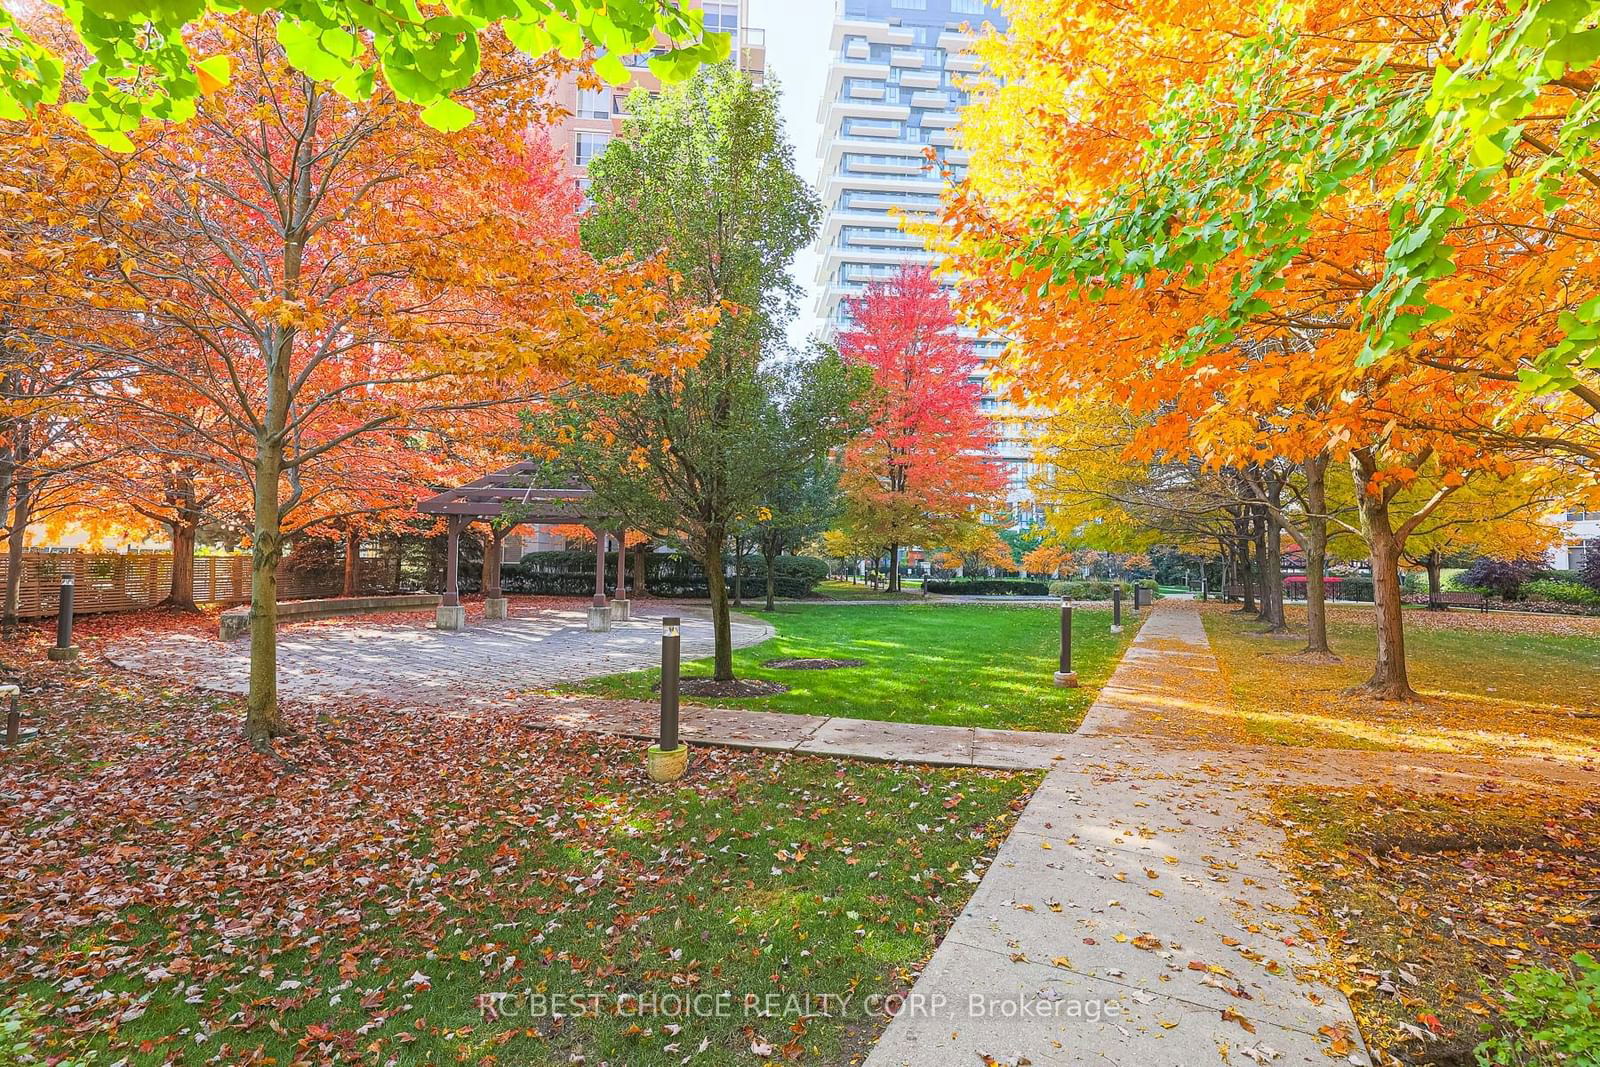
[{"x": 339, "y": 306}]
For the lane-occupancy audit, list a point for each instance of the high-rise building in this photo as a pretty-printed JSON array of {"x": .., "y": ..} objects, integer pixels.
[
  {"x": 596, "y": 115},
  {"x": 893, "y": 93}
]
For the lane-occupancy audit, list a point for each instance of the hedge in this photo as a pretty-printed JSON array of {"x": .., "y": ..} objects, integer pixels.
[
  {"x": 987, "y": 586},
  {"x": 1098, "y": 589},
  {"x": 572, "y": 574}
]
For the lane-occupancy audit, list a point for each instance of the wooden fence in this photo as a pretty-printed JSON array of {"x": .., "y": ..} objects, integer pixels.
[{"x": 112, "y": 582}]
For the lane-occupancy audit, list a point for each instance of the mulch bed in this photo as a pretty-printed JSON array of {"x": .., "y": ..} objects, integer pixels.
[
  {"x": 739, "y": 687},
  {"x": 813, "y": 663}
]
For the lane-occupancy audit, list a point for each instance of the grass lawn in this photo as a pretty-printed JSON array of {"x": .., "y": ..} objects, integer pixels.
[
  {"x": 1518, "y": 684},
  {"x": 1433, "y": 899},
  {"x": 173, "y": 896},
  {"x": 951, "y": 664}
]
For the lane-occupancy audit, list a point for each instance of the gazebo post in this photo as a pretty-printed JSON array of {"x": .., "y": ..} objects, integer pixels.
[
  {"x": 494, "y": 603},
  {"x": 451, "y": 615},
  {"x": 599, "y": 610},
  {"x": 621, "y": 607}
]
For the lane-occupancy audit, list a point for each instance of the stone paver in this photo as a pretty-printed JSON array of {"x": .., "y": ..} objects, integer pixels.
[
  {"x": 479, "y": 667},
  {"x": 1134, "y": 916}
]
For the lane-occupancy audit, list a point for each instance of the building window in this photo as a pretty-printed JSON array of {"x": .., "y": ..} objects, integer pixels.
[
  {"x": 910, "y": 5},
  {"x": 969, "y": 7},
  {"x": 1578, "y": 554},
  {"x": 590, "y": 144},
  {"x": 594, "y": 103},
  {"x": 722, "y": 17},
  {"x": 1580, "y": 515}
]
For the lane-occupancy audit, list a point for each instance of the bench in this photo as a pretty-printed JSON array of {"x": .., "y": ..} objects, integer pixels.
[
  {"x": 235, "y": 622},
  {"x": 1446, "y": 601}
]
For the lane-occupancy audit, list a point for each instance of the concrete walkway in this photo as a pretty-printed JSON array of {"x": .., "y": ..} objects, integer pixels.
[
  {"x": 1132, "y": 918},
  {"x": 411, "y": 662}
]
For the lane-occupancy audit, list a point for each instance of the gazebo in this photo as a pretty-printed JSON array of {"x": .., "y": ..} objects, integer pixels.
[{"x": 513, "y": 492}]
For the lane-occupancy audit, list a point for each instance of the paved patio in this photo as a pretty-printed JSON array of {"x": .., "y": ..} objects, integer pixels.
[{"x": 411, "y": 663}]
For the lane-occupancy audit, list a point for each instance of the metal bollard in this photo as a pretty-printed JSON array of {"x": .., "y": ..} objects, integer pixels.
[
  {"x": 64, "y": 650},
  {"x": 1116, "y": 609},
  {"x": 669, "y": 759},
  {"x": 671, "y": 642},
  {"x": 1066, "y": 677},
  {"x": 13, "y": 715}
]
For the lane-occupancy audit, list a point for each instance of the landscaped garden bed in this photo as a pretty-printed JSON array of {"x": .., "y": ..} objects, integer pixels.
[
  {"x": 173, "y": 895},
  {"x": 948, "y": 664}
]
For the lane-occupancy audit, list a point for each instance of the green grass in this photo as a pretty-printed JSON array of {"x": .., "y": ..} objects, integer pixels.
[
  {"x": 949, "y": 664},
  {"x": 450, "y": 867}
]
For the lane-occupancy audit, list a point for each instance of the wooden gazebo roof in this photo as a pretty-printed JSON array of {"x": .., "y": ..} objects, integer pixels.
[{"x": 515, "y": 487}]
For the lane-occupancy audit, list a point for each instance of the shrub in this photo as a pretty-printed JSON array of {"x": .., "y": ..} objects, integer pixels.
[
  {"x": 1560, "y": 592},
  {"x": 988, "y": 587},
  {"x": 1096, "y": 589},
  {"x": 1502, "y": 577},
  {"x": 1548, "y": 1015},
  {"x": 1355, "y": 587},
  {"x": 665, "y": 575},
  {"x": 1590, "y": 575}
]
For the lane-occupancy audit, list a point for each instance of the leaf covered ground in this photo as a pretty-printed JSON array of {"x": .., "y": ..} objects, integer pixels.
[
  {"x": 946, "y": 664},
  {"x": 1497, "y": 683},
  {"x": 170, "y": 895},
  {"x": 1432, "y": 899}
]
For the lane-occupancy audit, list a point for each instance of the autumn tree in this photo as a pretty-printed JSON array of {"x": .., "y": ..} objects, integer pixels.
[
  {"x": 1183, "y": 217},
  {"x": 340, "y": 289},
  {"x": 57, "y": 184},
  {"x": 924, "y": 467}
]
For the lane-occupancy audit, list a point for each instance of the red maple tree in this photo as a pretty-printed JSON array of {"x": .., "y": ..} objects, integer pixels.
[{"x": 924, "y": 470}]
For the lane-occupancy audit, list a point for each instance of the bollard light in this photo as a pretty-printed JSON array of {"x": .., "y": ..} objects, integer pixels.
[
  {"x": 1066, "y": 677},
  {"x": 1116, "y": 609},
  {"x": 669, "y": 758},
  {"x": 64, "y": 650},
  {"x": 13, "y": 714}
]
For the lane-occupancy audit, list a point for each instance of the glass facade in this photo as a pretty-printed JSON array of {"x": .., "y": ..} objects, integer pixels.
[{"x": 896, "y": 84}]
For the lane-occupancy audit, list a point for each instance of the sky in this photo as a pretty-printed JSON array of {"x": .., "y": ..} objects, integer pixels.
[{"x": 797, "y": 56}]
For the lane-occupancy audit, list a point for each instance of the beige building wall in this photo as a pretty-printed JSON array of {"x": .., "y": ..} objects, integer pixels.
[{"x": 595, "y": 115}]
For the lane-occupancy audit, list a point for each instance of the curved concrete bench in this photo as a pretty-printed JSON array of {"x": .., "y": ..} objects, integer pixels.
[{"x": 236, "y": 621}]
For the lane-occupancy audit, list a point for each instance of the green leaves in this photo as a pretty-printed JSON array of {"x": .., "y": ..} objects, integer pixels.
[{"x": 142, "y": 68}]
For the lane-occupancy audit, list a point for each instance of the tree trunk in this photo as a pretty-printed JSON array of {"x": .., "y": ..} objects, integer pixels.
[
  {"x": 262, "y": 718},
  {"x": 180, "y": 594},
  {"x": 1272, "y": 567},
  {"x": 1316, "y": 471},
  {"x": 721, "y": 616},
  {"x": 21, "y": 513},
  {"x": 894, "y": 568},
  {"x": 771, "y": 583},
  {"x": 1389, "y": 681},
  {"x": 1434, "y": 561},
  {"x": 1247, "y": 591},
  {"x": 352, "y": 561}
]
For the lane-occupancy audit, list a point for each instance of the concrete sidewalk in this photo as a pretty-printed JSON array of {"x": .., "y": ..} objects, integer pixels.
[
  {"x": 817, "y": 735},
  {"x": 1132, "y": 918}
]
